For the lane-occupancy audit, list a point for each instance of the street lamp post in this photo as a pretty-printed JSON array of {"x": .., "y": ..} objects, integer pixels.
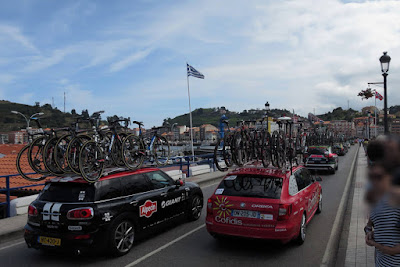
[
  {"x": 369, "y": 125},
  {"x": 266, "y": 114},
  {"x": 385, "y": 61}
]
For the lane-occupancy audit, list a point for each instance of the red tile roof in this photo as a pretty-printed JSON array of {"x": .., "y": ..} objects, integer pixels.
[{"x": 8, "y": 166}]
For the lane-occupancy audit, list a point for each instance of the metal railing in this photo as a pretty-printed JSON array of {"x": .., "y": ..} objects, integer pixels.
[
  {"x": 8, "y": 190},
  {"x": 207, "y": 159}
]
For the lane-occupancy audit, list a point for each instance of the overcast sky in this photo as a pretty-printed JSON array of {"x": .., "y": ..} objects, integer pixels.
[{"x": 129, "y": 57}]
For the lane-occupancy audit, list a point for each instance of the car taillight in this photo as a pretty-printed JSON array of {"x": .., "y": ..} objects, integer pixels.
[
  {"x": 32, "y": 211},
  {"x": 80, "y": 237},
  {"x": 80, "y": 214},
  {"x": 209, "y": 206},
  {"x": 285, "y": 210}
]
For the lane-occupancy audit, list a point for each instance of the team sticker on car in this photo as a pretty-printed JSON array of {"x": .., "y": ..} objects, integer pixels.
[{"x": 150, "y": 207}]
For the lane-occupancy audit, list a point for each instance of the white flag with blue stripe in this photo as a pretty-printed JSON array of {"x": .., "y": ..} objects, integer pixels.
[{"x": 193, "y": 72}]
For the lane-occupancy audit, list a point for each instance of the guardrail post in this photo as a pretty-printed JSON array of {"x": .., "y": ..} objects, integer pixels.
[
  {"x": 188, "y": 167},
  {"x": 8, "y": 196}
]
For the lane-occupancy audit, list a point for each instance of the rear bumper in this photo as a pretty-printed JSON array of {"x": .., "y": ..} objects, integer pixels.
[
  {"x": 96, "y": 240},
  {"x": 324, "y": 166},
  {"x": 284, "y": 233}
]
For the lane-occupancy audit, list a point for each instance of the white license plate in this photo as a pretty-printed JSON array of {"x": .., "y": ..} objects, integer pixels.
[{"x": 246, "y": 214}]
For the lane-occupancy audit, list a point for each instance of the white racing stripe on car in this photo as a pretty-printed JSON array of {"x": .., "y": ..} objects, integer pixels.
[
  {"x": 46, "y": 211},
  {"x": 164, "y": 246},
  {"x": 55, "y": 212}
]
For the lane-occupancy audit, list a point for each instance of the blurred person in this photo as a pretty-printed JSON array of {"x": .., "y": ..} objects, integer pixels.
[
  {"x": 385, "y": 219},
  {"x": 382, "y": 230}
]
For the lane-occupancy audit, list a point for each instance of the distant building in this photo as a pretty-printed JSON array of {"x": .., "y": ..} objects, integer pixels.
[{"x": 208, "y": 132}]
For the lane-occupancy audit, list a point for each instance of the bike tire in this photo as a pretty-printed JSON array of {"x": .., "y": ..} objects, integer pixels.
[
  {"x": 60, "y": 153},
  {"x": 164, "y": 152},
  {"x": 133, "y": 152},
  {"x": 22, "y": 168},
  {"x": 73, "y": 152},
  {"x": 35, "y": 155},
  {"x": 219, "y": 155},
  {"x": 91, "y": 162},
  {"x": 49, "y": 159}
]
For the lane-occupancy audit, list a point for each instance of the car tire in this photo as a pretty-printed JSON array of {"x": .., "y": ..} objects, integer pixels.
[
  {"x": 195, "y": 208},
  {"x": 302, "y": 232},
  {"x": 121, "y": 236},
  {"x": 319, "y": 209}
]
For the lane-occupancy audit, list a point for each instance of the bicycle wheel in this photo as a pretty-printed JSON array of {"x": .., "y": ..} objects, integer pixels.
[
  {"x": 116, "y": 153},
  {"x": 219, "y": 157},
  {"x": 133, "y": 152},
  {"x": 161, "y": 150},
  {"x": 73, "y": 151},
  {"x": 60, "y": 153},
  {"x": 35, "y": 155},
  {"x": 240, "y": 149},
  {"x": 49, "y": 159},
  {"x": 266, "y": 150},
  {"x": 25, "y": 169},
  {"x": 91, "y": 162},
  {"x": 227, "y": 149}
]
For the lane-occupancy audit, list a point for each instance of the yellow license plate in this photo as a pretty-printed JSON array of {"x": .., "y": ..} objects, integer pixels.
[{"x": 49, "y": 241}]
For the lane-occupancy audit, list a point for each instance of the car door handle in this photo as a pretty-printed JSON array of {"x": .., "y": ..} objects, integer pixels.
[{"x": 164, "y": 194}]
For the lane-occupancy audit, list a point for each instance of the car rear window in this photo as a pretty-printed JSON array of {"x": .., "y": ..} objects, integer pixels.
[
  {"x": 67, "y": 192},
  {"x": 251, "y": 186},
  {"x": 317, "y": 150}
]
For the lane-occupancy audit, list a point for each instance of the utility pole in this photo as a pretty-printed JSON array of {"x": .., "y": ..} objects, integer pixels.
[{"x": 64, "y": 102}]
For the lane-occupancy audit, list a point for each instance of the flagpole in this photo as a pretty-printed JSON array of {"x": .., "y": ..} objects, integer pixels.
[
  {"x": 190, "y": 114},
  {"x": 375, "y": 114}
]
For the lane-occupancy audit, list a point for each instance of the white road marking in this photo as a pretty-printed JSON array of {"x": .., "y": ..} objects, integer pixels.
[
  {"x": 12, "y": 245},
  {"x": 164, "y": 247}
]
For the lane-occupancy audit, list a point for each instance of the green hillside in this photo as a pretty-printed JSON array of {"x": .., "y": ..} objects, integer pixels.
[
  {"x": 340, "y": 114},
  {"x": 13, "y": 122},
  {"x": 212, "y": 116}
]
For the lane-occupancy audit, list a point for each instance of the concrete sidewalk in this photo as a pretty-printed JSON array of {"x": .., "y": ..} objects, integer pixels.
[
  {"x": 13, "y": 226},
  {"x": 358, "y": 253}
]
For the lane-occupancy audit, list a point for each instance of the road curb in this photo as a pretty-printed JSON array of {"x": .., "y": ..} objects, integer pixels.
[{"x": 332, "y": 247}]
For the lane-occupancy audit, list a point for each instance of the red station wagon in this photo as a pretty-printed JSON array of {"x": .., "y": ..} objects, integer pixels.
[{"x": 264, "y": 203}]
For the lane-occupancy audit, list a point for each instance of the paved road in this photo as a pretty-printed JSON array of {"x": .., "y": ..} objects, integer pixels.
[{"x": 189, "y": 244}]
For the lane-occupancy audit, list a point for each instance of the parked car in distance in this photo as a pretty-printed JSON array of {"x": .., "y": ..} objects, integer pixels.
[
  {"x": 339, "y": 149},
  {"x": 321, "y": 158},
  {"x": 111, "y": 214},
  {"x": 264, "y": 203}
]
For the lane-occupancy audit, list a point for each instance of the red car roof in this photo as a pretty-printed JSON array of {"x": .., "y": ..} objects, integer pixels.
[
  {"x": 78, "y": 179},
  {"x": 263, "y": 171}
]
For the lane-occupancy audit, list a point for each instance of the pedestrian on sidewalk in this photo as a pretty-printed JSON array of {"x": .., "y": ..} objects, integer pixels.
[{"x": 385, "y": 218}]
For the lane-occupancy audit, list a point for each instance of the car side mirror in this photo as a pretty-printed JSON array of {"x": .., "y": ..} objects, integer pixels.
[
  {"x": 179, "y": 183},
  {"x": 318, "y": 179}
]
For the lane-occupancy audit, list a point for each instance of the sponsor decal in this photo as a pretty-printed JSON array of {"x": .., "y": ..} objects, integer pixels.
[
  {"x": 230, "y": 178},
  {"x": 280, "y": 230},
  {"x": 219, "y": 191},
  {"x": 170, "y": 202},
  {"x": 313, "y": 201},
  {"x": 50, "y": 226},
  {"x": 262, "y": 206},
  {"x": 75, "y": 228},
  {"x": 228, "y": 220},
  {"x": 148, "y": 208},
  {"x": 81, "y": 196},
  {"x": 107, "y": 217},
  {"x": 266, "y": 216},
  {"x": 223, "y": 207}
]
